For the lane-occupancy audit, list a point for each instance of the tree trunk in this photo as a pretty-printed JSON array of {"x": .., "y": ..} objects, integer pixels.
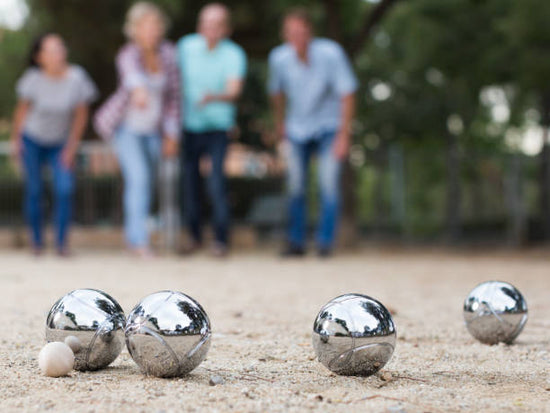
[
  {"x": 349, "y": 233},
  {"x": 453, "y": 230},
  {"x": 545, "y": 167},
  {"x": 371, "y": 21},
  {"x": 334, "y": 25},
  {"x": 517, "y": 222},
  {"x": 545, "y": 185},
  {"x": 397, "y": 185},
  {"x": 380, "y": 206}
]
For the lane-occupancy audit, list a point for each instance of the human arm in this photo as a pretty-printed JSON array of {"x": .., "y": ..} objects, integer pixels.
[
  {"x": 25, "y": 90},
  {"x": 132, "y": 78},
  {"x": 80, "y": 120},
  {"x": 233, "y": 90},
  {"x": 275, "y": 86},
  {"x": 278, "y": 102},
  {"x": 342, "y": 141},
  {"x": 19, "y": 116},
  {"x": 87, "y": 93}
]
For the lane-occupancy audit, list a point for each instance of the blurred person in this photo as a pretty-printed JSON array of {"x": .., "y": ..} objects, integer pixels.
[
  {"x": 312, "y": 88},
  {"x": 50, "y": 118},
  {"x": 142, "y": 117},
  {"x": 212, "y": 69}
]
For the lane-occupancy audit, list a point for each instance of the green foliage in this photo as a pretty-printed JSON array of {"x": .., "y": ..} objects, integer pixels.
[
  {"x": 13, "y": 46},
  {"x": 529, "y": 37}
]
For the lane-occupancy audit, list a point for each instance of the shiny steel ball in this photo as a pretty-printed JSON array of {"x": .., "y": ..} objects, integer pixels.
[
  {"x": 354, "y": 335},
  {"x": 495, "y": 312},
  {"x": 168, "y": 334},
  {"x": 91, "y": 323}
]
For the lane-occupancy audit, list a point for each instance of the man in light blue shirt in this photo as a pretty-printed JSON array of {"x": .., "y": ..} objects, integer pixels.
[
  {"x": 312, "y": 86},
  {"x": 212, "y": 70}
]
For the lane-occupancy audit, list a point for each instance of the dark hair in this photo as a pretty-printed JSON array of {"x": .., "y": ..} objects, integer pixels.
[
  {"x": 300, "y": 13},
  {"x": 36, "y": 46}
]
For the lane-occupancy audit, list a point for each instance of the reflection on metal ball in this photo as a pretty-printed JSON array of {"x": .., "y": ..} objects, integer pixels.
[
  {"x": 168, "y": 334},
  {"x": 354, "y": 335},
  {"x": 495, "y": 312},
  {"x": 94, "y": 321}
]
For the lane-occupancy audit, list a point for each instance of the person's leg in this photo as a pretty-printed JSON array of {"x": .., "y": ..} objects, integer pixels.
[
  {"x": 63, "y": 187},
  {"x": 152, "y": 146},
  {"x": 217, "y": 148},
  {"x": 298, "y": 162},
  {"x": 329, "y": 168},
  {"x": 133, "y": 162},
  {"x": 32, "y": 164},
  {"x": 191, "y": 152}
]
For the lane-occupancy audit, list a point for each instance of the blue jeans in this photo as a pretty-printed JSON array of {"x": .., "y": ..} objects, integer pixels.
[
  {"x": 138, "y": 156},
  {"x": 35, "y": 156},
  {"x": 329, "y": 168},
  {"x": 195, "y": 146}
]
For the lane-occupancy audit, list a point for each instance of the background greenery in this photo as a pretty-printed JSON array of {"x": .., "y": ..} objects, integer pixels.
[{"x": 448, "y": 91}]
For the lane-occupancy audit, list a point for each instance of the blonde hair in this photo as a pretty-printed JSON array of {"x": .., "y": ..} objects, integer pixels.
[{"x": 140, "y": 10}]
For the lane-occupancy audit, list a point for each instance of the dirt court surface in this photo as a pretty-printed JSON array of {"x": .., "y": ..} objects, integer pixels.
[{"x": 262, "y": 311}]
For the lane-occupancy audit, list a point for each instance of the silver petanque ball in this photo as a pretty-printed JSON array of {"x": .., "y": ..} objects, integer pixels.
[
  {"x": 91, "y": 323},
  {"x": 354, "y": 335},
  {"x": 168, "y": 334},
  {"x": 495, "y": 312}
]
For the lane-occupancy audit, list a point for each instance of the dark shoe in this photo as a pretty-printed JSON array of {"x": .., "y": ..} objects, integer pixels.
[
  {"x": 190, "y": 248},
  {"x": 324, "y": 252},
  {"x": 291, "y": 251}
]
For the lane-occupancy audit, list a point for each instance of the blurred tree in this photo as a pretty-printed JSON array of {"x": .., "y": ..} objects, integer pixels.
[
  {"x": 424, "y": 75},
  {"x": 529, "y": 38},
  {"x": 13, "y": 46}
]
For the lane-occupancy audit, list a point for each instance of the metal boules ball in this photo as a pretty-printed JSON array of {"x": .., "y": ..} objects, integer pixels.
[
  {"x": 354, "y": 335},
  {"x": 168, "y": 334},
  {"x": 91, "y": 323},
  {"x": 495, "y": 312}
]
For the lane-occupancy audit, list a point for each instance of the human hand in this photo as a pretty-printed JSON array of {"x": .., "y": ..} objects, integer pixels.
[
  {"x": 169, "y": 147},
  {"x": 68, "y": 155},
  {"x": 16, "y": 148},
  {"x": 206, "y": 99},
  {"x": 341, "y": 145},
  {"x": 280, "y": 132},
  {"x": 16, "y": 152}
]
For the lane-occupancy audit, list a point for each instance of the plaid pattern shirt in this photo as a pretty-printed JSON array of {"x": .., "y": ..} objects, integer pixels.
[{"x": 131, "y": 74}]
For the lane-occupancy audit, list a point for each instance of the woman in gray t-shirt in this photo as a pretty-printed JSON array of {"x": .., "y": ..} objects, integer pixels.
[{"x": 49, "y": 121}]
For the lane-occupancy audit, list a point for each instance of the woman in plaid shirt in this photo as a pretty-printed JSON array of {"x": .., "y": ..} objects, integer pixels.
[{"x": 142, "y": 117}]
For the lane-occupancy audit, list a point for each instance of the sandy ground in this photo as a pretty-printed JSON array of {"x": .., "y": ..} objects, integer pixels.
[{"x": 262, "y": 310}]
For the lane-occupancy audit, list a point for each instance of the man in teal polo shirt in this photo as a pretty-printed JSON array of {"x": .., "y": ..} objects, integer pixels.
[{"x": 212, "y": 70}]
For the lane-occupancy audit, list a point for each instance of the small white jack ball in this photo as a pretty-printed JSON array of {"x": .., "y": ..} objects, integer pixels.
[{"x": 56, "y": 359}]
